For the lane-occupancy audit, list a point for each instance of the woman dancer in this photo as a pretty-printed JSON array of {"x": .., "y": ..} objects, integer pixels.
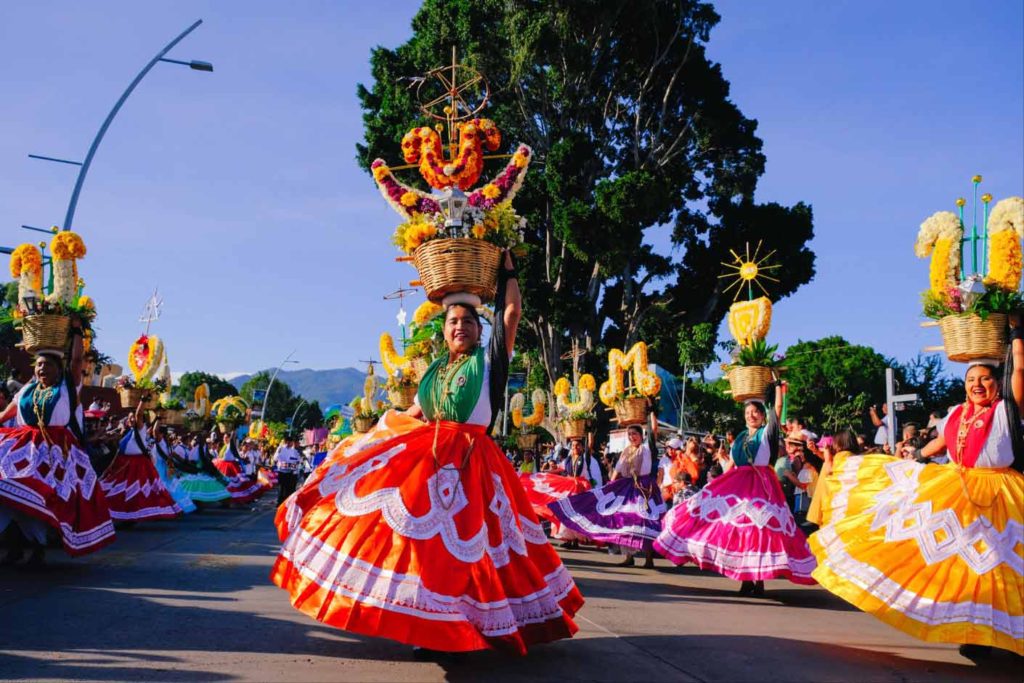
[
  {"x": 46, "y": 479},
  {"x": 739, "y": 524},
  {"x": 427, "y": 537},
  {"x": 165, "y": 465},
  {"x": 626, "y": 511},
  {"x": 935, "y": 550},
  {"x": 134, "y": 488},
  {"x": 201, "y": 480}
]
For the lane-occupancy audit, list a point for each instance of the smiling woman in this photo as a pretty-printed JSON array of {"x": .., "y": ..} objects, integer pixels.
[
  {"x": 934, "y": 550},
  {"x": 422, "y": 532}
]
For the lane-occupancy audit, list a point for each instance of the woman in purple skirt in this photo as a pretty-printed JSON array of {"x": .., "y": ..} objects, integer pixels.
[{"x": 626, "y": 511}]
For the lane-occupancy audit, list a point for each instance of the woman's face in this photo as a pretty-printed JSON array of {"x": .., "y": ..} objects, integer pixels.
[
  {"x": 691, "y": 447},
  {"x": 753, "y": 416},
  {"x": 635, "y": 437},
  {"x": 981, "y": 385},
  {"x": 461, "y": 330},
  {"x": 47, "y": 372}
]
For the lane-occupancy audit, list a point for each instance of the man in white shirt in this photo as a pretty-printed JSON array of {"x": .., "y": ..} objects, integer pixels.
[{"x": 287, "y": 461}]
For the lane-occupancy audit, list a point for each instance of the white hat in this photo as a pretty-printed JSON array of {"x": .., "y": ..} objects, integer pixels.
[{"x": 675, "y": 443}]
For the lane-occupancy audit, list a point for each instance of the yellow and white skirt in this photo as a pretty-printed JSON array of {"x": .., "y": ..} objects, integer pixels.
[{"x": 934, "y": 550}]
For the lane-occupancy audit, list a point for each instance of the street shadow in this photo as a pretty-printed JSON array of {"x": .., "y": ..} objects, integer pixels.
[{"x": 728, "y": 659}]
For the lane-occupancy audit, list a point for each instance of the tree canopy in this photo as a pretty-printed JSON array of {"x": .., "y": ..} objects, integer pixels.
[
  {"x": 186, "y": 387},
  {"x": 632, "y": 129}
]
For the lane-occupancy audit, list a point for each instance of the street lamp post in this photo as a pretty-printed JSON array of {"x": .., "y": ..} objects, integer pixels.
[
  {"x": 263, "y": 406},
  {"x": 84, "y": 166}
]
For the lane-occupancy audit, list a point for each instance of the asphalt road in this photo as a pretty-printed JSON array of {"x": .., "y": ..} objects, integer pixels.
[{"x": 189, "y": 600}]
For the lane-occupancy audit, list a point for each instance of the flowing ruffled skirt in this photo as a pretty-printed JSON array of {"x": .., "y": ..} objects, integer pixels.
[
  {"x": 739, "y": 526},
  {"x": 135, "y": 491},
  {"x": 444, "y": 552},
  {"x": 55, "y": 484},
  {"x": 173, "y": 487},
  {"x": 625, "y": 512},
  {"x": 202, "y": 488},
  {"x": 932, "y": 550}
]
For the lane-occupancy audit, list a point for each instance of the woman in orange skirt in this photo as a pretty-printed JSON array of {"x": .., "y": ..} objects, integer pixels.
[{"x": 426, "y": 536}]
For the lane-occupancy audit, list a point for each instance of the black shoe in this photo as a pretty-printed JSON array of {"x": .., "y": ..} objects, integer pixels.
[
  {"x": 976, "y": 652},
  {"x": 758, "y": 590},
  {"x": 628, "y": 562},
  {"x": 747, "y": 588}
]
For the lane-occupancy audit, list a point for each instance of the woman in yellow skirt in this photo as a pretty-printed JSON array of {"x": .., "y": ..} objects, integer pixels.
[{"x": 938, "y": 550}]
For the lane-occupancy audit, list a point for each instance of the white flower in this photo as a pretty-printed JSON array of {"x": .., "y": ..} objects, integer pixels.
[
  {"x": 940, "y": 225},
  {"x": 1008, "y": 214}
]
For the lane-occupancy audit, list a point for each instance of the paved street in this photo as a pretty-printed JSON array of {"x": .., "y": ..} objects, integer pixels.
[{"x": 190, "y": 601}]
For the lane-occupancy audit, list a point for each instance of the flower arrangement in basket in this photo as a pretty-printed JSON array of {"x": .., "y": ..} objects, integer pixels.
[
  {"x": 971, "y": 305},
  {"x": 367, "y": 409},
  {"x": 229, "y": 412},
  {"x": 576, "y": 412},
  {"x": 172, "y": 412},
  {"x": 145, "y": 390},
  {"x": 527, "y": 438},
  {"x": 47, "y": 308},
  {"x": 754, "y": 362},
  {"x": 631, "y": 400},
  {"x": 455, "y": 236}
]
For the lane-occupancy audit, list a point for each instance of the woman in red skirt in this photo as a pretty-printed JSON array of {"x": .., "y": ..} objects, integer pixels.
[
  {"x": 135, "y": 492},
  {"x": 46, "y": 479},
  {"x": 427, "y": 537}
]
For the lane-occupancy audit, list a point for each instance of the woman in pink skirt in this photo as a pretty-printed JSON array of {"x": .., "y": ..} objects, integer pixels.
[{"x": 739, "y": 525}]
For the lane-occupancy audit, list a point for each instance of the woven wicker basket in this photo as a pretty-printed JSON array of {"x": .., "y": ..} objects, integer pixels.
[
  {"x": 132, "y": 396},
  {"x": 45, "y": 331},
  {"x": 458, "y": 265},
  {"x": 527, "y": 441},
  {"x": 402, "y": 397},
  {"x": 173, "y": 418},
  {"x": 195, "y": 424},
  {"x": 362, "y": 424},
  {"x": 631, "y": 411},
  {"x": 574, "y": 429},
  {"x": 968, "y": 337},
  {"x": 749, "y": 381}
]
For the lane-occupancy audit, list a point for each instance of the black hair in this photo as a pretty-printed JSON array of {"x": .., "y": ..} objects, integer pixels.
[
  {"x": 635, "y": 428},
  {"x": 846, "y": 440},
  {"x": 472, "y": 311},
  {"x": 759, "y": 405}
]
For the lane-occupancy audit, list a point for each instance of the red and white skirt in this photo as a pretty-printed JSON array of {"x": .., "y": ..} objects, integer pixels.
[
  {"x": 54, "y": 483},
  {"x": 444, "y": 552},
  {"x": 135, "y": 491},
  {"x": 242, "y": 489}
]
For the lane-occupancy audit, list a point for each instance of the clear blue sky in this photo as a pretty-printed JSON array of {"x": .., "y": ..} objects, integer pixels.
[{"x": 237, "y": 192}]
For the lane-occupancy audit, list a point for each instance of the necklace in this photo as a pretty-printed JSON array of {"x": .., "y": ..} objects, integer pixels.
[
  {"x": 968, "y": 420},
  {"x": 40, "y": 397},
  {"x": 442, "y": 387}
]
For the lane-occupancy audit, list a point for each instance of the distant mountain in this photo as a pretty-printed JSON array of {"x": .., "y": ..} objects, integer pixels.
[{"x": 326, "y": 386}]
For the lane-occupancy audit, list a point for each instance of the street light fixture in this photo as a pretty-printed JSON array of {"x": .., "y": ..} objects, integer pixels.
[{"x": 194, "y": 64}]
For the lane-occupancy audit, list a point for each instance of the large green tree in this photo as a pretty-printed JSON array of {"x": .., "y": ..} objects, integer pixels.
[
  {"x": 832, "y": 382},
  {"x": 632, "y": 129},
  {"x": 186, "y": 387}
]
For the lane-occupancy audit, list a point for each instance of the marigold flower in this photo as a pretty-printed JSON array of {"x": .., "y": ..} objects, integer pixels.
[
  {"x": 409, "y": 199},
  {"x": 491, "y": 191}
]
